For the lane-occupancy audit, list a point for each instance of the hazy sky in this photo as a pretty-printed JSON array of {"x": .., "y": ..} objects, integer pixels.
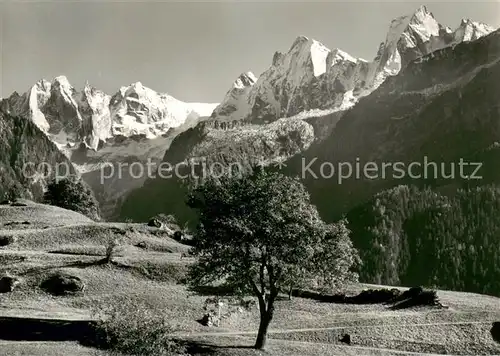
[{"x": 191, "y": 50}]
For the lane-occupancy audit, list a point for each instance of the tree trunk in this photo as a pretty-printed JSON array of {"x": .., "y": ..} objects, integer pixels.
[
  {"x": 266, "y": 308},
  {"x": 290, "y": 289},
  {"x": 265, "y": 320}
]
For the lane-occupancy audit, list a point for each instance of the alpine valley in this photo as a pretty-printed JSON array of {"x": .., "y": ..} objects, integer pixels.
[
  {"x": 430, "y": 90},
  {"x": 315, "y": 103},
  {"x": 97, "y": 131}
]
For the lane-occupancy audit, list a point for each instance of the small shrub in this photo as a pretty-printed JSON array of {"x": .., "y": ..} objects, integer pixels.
[
  {"x": 128, "y": 327},
  {"x": 168, "y": 221},
  {"x": 118, "y": 231},
  {"x": 15, "y": 192}
]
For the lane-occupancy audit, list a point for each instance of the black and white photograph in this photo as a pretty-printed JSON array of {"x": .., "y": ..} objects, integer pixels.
[{"x": 249, "y": 178}]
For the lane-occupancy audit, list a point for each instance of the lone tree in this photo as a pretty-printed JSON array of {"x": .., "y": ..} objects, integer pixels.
[
  {"x": 73, "y": 194},
  {"x": 259, "y": 232}
]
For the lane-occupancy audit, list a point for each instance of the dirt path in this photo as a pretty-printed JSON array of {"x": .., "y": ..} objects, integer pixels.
[
  {"x": 24, "y": 331},
  {"x": 354, "y": 347},
  {"x": 287, "y": 331}
]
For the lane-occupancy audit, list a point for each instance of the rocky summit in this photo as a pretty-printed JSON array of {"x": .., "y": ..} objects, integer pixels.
[
  {"x": 310, "y": 76},
  {"x": 94, "y": 129},
  {"x": 308, "y": 97},
  {"x": 348, "y": 107}
]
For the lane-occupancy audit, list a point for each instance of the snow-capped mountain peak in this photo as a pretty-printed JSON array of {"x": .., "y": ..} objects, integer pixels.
[
  {"x": 422, "y": 15},
  {"x": 337, "y": 55},
  {"x": 410, "y": 30},
  {"x": 310, "y": 76},
  {"x": 235, "y": 101},
  {"x": 470, "y": 30},
  {"x": 29, "y": 103},
  {"x": 43, "y": 84},
  {"x": 139, "y": 110},
  {"x": 299, "y": 42},
  {"x": 63, "y": 82},
  {"x": 244, "y": 80},
  {"x": 319, "y": 53},
  {"x": 91, "y": 116},
  {"x": 423, "y": 24},
  {"x": 307, "y": 52}
]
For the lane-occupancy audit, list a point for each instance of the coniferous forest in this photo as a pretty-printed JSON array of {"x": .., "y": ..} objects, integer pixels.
[{"x": 412, "y": 236}]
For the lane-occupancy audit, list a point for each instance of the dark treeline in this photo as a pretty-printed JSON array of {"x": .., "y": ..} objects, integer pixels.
[{"x": 411, "y": 236}]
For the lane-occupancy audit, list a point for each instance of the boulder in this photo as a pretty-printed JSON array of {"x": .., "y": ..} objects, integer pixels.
[
  {"x": 155, "y": 223},
  {"x": 142, "y": 245},
  {"x": 62, "y": 284},
  {"x": 495, "y": 331},
  {"x": 346, "y": 339},
  {"x": 424, "y": 298},
  {"x": 8, "y": 283},
  {"x": 210, "y": 319},
  {"x": 178, "y": 236},
  {"x": 7, "y": 240},
  {"x": 411, "y": 293}
]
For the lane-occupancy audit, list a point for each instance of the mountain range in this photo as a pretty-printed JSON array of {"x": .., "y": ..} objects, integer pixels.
[
  {"x": 94, "y": 129},
  {"x": 353, "y": 109},
  {"x": 311, "y": 101}
]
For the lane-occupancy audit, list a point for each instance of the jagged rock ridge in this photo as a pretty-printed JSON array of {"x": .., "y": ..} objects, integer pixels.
[
  {"x": 91, "y": 116},
  {"x": 375, "y": 128},
  {"x": 310, "y": 76},
  {"x": 95, "y": 129},
  {"x": 441, "y": 109}
]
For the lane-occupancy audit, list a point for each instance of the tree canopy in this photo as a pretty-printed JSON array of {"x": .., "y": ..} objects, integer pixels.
[
  {"x": 259, "y": 233},
  {"x": 73, "y": 194}
]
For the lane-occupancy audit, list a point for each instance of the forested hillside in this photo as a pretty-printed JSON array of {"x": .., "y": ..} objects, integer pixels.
[
  {"x": 28, "y": 158},
  {"x": 414, "y": 236}
]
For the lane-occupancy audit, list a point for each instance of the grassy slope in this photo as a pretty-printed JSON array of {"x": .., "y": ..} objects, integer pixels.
[
  {"x": 39, "y": 216},
  {"x": 153, "y": 275}
]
